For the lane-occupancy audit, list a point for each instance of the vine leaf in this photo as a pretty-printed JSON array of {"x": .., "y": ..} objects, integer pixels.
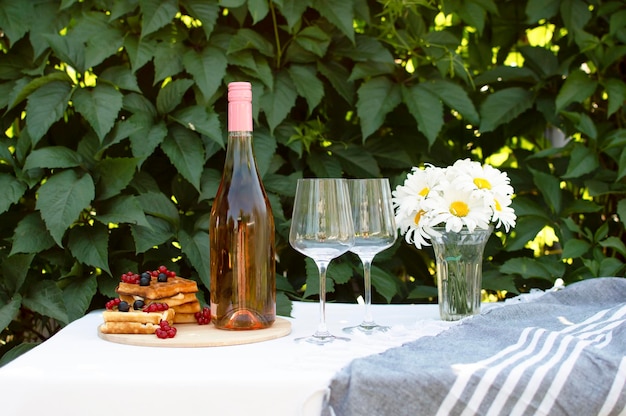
[
  {"x": 90, "y": 245},
  {"x": 339, "y": 13},
  {"x": 196, "y": 248},
  {"x": 45, "y": 106},
  {"x": 99, "y": 106},
  {"x": 31, "y": 235},
  {"x": 204, "y": 11},
  {"x": 455, "y": 97},
  {"x": 9, "y": 310},
  {"x": 376, "y": 98},
  {"x": 52, "y": 157},
  {"x": 61, "y": 199},
  {"x": 11, "y": 190},
  {"x": 427, "y": 110},
  {"x": 171, "y": 95},
  {"x": 78, "y": 295},
  {"x": 503, "y": 106},
  {"x": 156, "y": 14},
  {"x": 114, "y": 174},
  {"x": 45, "y": 298},
  {"x": 277, "y": 103},
  {"x": 576, "y": 88},
  {"x": 184, "y": 149},
  {"x": 207, "y": 68},
  {"x": 122, "y": 209}
]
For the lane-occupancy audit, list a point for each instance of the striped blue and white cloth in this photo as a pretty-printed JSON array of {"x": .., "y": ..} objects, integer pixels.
[{"x": 563, "y": 353}]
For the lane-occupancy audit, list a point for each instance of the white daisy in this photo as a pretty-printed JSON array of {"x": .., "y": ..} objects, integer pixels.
[
  {"x": 457, "y": 208},
  {"x": 503, "y": 214},
  {"x": 470, "y": 174}
]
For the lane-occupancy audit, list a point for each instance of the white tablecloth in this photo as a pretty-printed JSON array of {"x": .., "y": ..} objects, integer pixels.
[{"x": 77, "y": 373}]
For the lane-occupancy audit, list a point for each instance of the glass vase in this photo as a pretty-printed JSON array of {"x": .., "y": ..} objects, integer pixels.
[{"x": 459, "y": 260}]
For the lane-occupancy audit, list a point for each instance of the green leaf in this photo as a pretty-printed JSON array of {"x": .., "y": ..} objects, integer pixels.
[
  {"x": 526, "y": 267},
  {"x": 78, "y": 295},
  {"x": 70, "y": 49},
  {"x": 258, "y": 9},
  {"x": 156, "y": 14},
  {"x": 99, "y": 106},
  {"x": 541, "y": 60},
  {"x": 314, "y": 40},
  {"x": 45, "y": 106},
  {"x": 52, "y": 157},
  {"x": 525, "y": 230},
  {"x": 9, "y": 311},
  {"x": 121, "y": 77},
  {"x": 384, "y": 283},
  {"x": 204, "y": 11},
  {"x": 45, "y": 298},
  {"x": 550, "y": 188},
  {"x": 614, "y": 243},
  {"x": 377, "y": 97},
  {"x": 61, "y": 200},
  {"x": 281, "y": 184},
  {"x": 578, "y": 86},
  {"x": 168, "y": 61},
  {"x": 293, "y": 10},
  {"x": 583, "y": 123},
  {"x": 114, "y": 174},
  {"x": 11, "y": 190},
  {"x": 616, "y": 90},
  {"x": 145, "y": 142},
  {"x": 105, "y": 43},
  {"x": 611, "y": 267},
  {"x": 503, "y": 106},
  {"x": 14, "y": 271},
  {"x": 427, "y": 110},
  {"x": 15, "y": 19},
  {"x": 455, "y": 97},
  {"x": 156, "y": 234},
  {"x": 198, "y": 118},
  {"x": 170, "y": 96},
  {"x": 140, "y": 51},
  {"x": 158, "y": 205},
  {"x": 196, "y": 248},
  {"x": 339, "y": 13},
  {"x": 207, "y": 67},
  {"x": 338, "y": 77},
  {"x": 249, "y": 39},
  {"x": 575, "y": 14},
  {"x": 122, "y": 209},
  {"x": 209, "y": 182},
  {"x": 307, "y": 84},
  {"x": 575, "y": 248},
  {"x": 422, "y": 292},
  {"x": 582, "y": 161},
  {"x": 357, "y": 162},
  {"x": 541, "y": 9},
  {"x": 277, "y": 103},
  {"x": 184, "y": 149},
  {"x": 324, "y": 165},
  {"x": 31, "y": 235},
  {"x": 90, "y": 245}
]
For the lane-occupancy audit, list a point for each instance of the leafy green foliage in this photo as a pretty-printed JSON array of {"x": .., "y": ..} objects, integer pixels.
[{"x": 112, "y": 121}]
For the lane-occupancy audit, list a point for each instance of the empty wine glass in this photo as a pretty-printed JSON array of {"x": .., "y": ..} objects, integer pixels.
[
  {"x": 374, "y": 231},
  {"x": 321, "y": 228}
]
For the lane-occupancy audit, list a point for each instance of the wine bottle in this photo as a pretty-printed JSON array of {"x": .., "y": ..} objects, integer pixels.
[{"x": 243, "y": 280}]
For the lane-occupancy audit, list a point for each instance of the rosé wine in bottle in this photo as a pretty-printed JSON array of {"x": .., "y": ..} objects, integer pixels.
[{"x": 243, "y": 280}]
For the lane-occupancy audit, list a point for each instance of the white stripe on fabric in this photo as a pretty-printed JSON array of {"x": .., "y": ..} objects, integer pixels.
[
  {"x": 464, "y": 376},
  {"x": 468, "y": 370},
  {"x": 619, "y": 383}
]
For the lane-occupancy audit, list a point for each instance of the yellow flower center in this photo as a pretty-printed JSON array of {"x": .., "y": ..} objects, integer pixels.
[
  {"x": 424, "y": 191},
  {"x": 498, "y": 206},
  {"x": 418, "y": 216},
  {"x": 459, "y": 208},
  {"x": 482, "y": 183}
]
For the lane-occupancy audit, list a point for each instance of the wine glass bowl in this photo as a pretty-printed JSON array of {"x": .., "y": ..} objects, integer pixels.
[
  {"x": 321, "y": 228},
  {"x": 374, "y": 231}
]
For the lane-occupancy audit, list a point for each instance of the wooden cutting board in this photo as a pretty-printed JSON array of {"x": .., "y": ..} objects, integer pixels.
[{"x": 194, "y": 335}]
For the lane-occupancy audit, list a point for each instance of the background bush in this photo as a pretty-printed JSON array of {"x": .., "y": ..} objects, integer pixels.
[{"x": 112, "y": 135}]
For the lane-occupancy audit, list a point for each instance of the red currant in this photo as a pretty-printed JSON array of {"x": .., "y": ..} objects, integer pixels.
[
  {"x": 204, "y": 316},
  {"x": 110, "y": 305}
]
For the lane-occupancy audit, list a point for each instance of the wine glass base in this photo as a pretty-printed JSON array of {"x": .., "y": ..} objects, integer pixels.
[
  {"x": 321, "y": 339},
  {"x": 368, "y": 329}
]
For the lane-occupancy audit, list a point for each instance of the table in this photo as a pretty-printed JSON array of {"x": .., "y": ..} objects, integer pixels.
[{"x": 77, "y": 373}]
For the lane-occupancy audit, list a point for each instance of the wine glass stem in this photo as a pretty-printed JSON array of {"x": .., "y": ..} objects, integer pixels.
[
  {"x": 367, "y": 278},
  {"x": 322, "y": 329}
]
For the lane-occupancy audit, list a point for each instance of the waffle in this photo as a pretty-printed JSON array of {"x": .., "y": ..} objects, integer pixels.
[
  {"x": 134, "y": 322},
  {"x": 172, "y": 301},
  {"x": 159, "y": 290}
]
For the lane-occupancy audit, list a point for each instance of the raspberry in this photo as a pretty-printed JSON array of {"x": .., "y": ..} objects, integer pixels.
[
  {"x": 110, "y": 305},
  {"x": 156, "y": 307},
  {"x": 204, "y": 316}
]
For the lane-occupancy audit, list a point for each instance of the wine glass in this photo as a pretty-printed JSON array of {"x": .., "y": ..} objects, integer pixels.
[
  {"x": 374, "y": 231},
  {"x": 321, "y": 228}
]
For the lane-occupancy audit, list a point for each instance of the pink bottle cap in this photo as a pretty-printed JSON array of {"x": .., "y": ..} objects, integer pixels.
[{"x": 239, "y": 106}]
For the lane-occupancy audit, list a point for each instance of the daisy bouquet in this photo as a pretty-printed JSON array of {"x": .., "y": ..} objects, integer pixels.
[
  {"x": 465, "y": 194},
  {"x": 455, "y": 209}
]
